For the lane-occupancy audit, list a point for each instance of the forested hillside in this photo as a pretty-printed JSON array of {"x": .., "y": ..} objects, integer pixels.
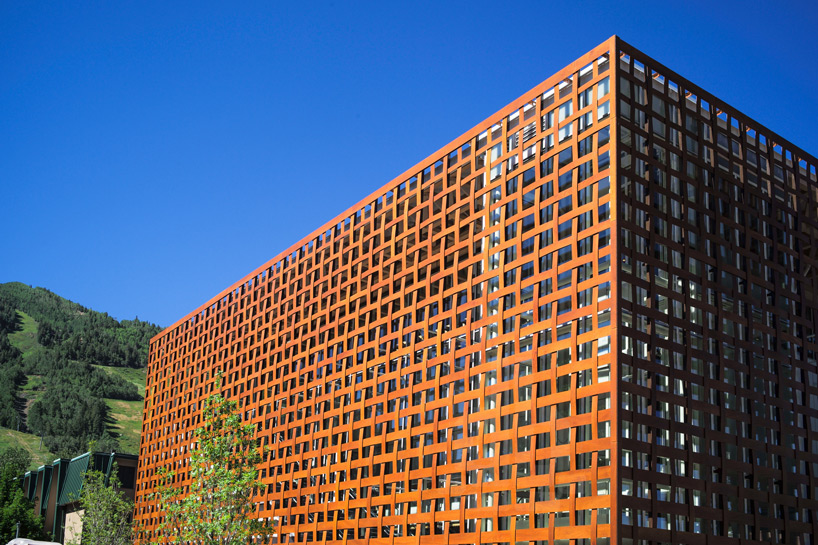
[{"x": 63, "y": 367}]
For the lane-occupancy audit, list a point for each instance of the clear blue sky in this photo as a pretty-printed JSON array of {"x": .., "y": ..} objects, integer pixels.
[{"x": 153, "y": 153}]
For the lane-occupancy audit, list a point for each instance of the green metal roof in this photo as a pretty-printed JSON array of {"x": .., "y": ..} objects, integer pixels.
[
  {"x": 72, "y": 485},
  {"x": 66, "y": 476},
  {"x": 48, "y": 473}
]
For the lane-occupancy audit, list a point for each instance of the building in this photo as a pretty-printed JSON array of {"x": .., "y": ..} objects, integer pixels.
[
  {"x": 55, "y": 489},
  {"x": 588, "y": 320}
]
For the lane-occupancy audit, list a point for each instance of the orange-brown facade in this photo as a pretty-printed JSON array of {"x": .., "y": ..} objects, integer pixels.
[{"x": 549, "y": 331}]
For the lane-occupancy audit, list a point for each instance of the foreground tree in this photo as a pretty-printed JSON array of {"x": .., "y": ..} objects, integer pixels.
[
  {"x": 107, "y": 512},
  {"x": 14, "y": 506},
  {"x": 219, "y": 508}
]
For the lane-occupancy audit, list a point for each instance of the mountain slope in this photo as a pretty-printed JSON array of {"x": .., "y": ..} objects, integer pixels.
[{"x": 68, "y": 374}]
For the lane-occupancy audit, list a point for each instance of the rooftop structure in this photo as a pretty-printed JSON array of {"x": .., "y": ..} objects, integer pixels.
[
  {"x": 588, "y": 320},
  {"x": 55, "y": 489}
]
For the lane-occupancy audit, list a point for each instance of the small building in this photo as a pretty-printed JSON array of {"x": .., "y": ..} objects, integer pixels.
[{"x": 55, "y": 489}]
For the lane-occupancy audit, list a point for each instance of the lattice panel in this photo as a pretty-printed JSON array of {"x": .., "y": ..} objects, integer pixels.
[
  {"x": 434, "y": 364},
  {"x": 719, "y": 385}
]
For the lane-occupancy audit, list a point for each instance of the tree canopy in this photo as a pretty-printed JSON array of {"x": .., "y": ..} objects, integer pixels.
[
  {"x": 14, "y": 506},
  {"x": 63, "y": 343},
  {"x": 76, "y": 332},
  {"x": 68, "y": 419},
  {"x": 106, "y": 517},
  {"x": 219, "y": 506}
]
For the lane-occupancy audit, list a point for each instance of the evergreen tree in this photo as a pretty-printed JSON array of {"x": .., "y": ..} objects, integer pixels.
[{"x": 67, "y": 418}]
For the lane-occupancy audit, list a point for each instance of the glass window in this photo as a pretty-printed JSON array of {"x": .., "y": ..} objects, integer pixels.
[
  {"x": 565, "y": 110},
  {"x": 603, "y": 88}
]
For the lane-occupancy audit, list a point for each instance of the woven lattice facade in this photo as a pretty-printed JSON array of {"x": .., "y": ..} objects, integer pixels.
[{"x": 588, "y": 320}]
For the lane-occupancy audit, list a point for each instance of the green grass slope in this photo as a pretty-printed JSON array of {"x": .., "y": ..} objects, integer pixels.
[
  {"x": 25, "y": 338},
  {"x": 127, "y": 415},
  {"x": 31, "y": 443}
]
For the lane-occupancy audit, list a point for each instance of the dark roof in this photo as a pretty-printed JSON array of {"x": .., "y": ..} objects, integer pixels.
[{"x": 70, "y": 490}]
